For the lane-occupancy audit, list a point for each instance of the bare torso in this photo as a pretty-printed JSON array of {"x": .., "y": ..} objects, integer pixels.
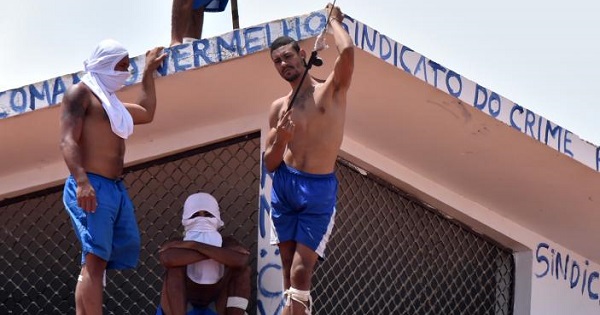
[
  {"x": 319, "y": 128},
  {"x": 102, "y": 151}
]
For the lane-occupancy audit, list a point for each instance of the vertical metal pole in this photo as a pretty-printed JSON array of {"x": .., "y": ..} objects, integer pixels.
[{"x": 235, "y": 18}]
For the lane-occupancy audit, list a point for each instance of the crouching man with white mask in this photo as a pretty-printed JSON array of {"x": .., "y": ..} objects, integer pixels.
[{"x": 206, "y": 274}]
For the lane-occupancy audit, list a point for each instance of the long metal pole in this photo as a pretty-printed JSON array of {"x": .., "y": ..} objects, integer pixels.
[{"x": 235, "y": 17}]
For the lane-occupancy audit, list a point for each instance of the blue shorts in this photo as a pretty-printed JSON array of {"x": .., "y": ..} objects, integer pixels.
[
  {"x": 111, "y": 232},
  {"x": 193, "y": 310},
  {"x": 303, "y": 207},
  {"x": 211, "y": 5}
]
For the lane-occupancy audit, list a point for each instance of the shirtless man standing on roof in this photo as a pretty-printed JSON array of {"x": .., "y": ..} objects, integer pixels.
[
  {"x": 302, "y": 148},
  {"x": 94, "y": 125}
]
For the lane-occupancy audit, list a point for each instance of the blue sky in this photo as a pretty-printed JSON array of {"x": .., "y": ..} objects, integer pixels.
[{"x": 540, "y": 54}]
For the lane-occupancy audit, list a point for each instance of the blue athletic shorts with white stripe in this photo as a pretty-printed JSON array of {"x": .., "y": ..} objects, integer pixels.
[
  {"x": 210, "y": 5},
  {"x": 303, "y": 207}
]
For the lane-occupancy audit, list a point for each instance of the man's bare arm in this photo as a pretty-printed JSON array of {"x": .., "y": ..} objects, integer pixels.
[
  {"x": 279, "y": 135},
  {"x": 73, "y": 110},
  {"x": 173, "y": 256},
  {"x": 143, "y": 111},
  {"x": 182, "y": 253},
  {"x": 344, "y": 65}
]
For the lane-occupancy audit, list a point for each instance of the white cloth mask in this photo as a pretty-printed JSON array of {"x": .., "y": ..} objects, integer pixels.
[
  {"x": 204, "y": 230},
  {"x": 104, "y": 81}
]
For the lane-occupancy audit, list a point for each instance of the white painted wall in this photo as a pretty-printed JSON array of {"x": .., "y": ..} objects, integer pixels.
[{"x": 563, "y": 282}]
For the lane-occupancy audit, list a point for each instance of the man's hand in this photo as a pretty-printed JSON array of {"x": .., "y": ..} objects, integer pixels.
[
  {"x": 285, "y": 128},
  {"x": 86, "y": 197},
  {"x": 240, "y": 249},
  {"x": 334, "y": 12},
  {"x": 154, "y": 58}
]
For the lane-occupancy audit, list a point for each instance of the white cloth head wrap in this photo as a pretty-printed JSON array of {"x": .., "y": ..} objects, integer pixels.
[
  {"x": 104, "y": 81},
  {"x": 203, "y": 230}
]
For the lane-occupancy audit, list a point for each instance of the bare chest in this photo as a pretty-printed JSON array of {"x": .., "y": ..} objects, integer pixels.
[{"x": 97, "y": 131}]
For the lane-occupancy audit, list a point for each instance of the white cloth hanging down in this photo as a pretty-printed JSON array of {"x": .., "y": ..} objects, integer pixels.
[{"x": 104, "y": 81}]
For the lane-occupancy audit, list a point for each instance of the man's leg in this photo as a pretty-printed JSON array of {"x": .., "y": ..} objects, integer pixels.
[
  {"x": 303, "y": 264},
  {"x": 286, "y": 252},
  {"x": 89, "y": 289},
  {"x": 194, "y": 29},
  {"x": 181, "y": 18},
  {"x": 172, "y": 297}
]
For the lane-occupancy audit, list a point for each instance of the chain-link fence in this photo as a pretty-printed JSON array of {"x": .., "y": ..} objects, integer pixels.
[
  {"x": 40, "y": 255},
  {"x": 389, "y": 254}
]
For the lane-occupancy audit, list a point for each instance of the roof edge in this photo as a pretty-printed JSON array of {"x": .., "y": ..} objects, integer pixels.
[{"x": 253, "y": 39}]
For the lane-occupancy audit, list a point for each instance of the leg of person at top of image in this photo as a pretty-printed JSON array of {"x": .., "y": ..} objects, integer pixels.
[
  {"x": 307, "y": 128},
  {"x": 187, "y": 18},
  {"x": 205, "y": 273},
  {"x": 186, "y": 22}
]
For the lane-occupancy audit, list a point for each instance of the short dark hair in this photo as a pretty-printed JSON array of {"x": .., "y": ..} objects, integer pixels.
[{"x": 285, "y": 40}]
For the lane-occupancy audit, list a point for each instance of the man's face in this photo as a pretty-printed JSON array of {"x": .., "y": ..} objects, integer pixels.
[
  {"x": 123, "y": 64},
  {"x": 203, "y": 214},
  {"x": 288, "y": 62}
]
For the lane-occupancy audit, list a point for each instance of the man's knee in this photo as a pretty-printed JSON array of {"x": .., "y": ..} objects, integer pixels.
[
  {"x": 287, "y": 260},
  {"x": 301, "y": 276},
  {"x": 94, "y": 266}
]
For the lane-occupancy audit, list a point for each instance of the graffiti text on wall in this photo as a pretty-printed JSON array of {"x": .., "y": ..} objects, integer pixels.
[
  {"x": 257, "y": 38},
  {"x": 563, "y": 267},
  {"x": 180, "y": 58},
  {"x": 487, "y": 101},
  {"x": 270, "y": 299}
]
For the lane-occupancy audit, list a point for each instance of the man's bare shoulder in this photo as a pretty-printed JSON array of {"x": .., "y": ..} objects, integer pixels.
[
  {"x": 76, "y": 100},
  {"x": 78, "y": 91},
  {"x": 78, "y": 96},
  {"x": 278, "y": 103}
]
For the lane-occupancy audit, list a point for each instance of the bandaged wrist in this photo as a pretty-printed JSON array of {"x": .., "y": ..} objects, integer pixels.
[{"x": 237, "y": 302}]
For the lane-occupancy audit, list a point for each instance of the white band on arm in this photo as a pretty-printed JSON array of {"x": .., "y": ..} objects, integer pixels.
[{"x": 237, "y": 302}]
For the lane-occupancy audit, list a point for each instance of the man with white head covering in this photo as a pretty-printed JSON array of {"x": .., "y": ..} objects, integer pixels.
[
  {"x": 94, "y": 124},
  {"x": 206, "y": 274}
]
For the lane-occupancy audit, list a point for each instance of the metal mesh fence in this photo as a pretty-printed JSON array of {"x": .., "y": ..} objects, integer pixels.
[
  {"x": 40, "y": 255},
  {"x": 389, "y": 254}
]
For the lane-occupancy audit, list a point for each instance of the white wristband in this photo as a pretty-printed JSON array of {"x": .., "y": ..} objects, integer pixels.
[{"x": 237, "y": 302}]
